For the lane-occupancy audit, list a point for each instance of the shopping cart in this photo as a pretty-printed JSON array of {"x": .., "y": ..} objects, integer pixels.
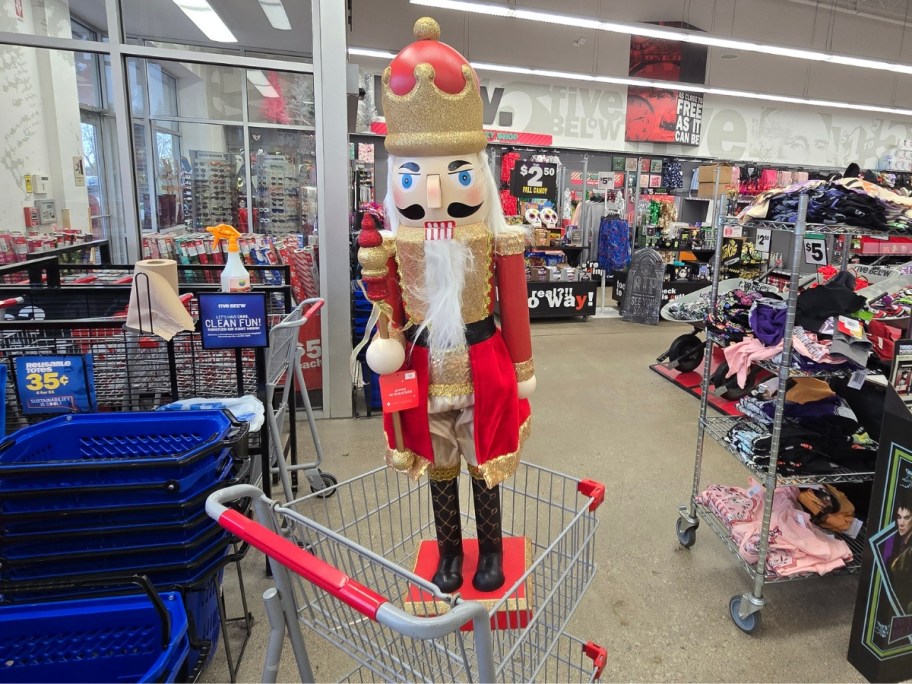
[
  {"x": 283, "y": 368},
  {"x": 340, "y": 569}
]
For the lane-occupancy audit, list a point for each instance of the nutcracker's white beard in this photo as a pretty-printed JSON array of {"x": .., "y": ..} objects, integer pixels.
[{"x": 446, "y": 263}]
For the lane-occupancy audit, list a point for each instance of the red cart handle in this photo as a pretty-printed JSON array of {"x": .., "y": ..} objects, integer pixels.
[
  {"x": 317, "y": 305},
  {"x": 594, "y": 490},
  {"x": 313, "y": 569},
  {"x": 598, "y": 655}
]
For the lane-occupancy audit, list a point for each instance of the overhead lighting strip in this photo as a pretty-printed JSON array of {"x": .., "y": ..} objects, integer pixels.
[
  {"x": 200, "y": 12},
  {"x": 680, "y": 35},
  {"x": 670, "y": 85}
]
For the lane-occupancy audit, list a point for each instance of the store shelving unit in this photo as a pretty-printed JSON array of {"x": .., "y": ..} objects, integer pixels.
[
  {"x": 214, "y": 188},
  {"x": 745, "y": 608},
  {"x": 278, "y": 194}
]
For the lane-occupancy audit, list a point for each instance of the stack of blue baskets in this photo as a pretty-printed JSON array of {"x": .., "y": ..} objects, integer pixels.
[
  {"x": 362, "y": 309},
  {"x": 101, "y": 497}
]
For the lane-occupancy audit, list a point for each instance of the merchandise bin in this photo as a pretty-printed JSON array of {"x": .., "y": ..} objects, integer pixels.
[{"x": 102, "y": 639}]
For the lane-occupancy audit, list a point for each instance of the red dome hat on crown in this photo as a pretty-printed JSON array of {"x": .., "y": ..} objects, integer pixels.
[{"x": 431, "y": 99}]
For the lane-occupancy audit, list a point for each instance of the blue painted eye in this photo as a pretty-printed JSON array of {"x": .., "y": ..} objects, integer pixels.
[
  {"x": 407, "y": 181},
  {"x": 465, "y": 178}
]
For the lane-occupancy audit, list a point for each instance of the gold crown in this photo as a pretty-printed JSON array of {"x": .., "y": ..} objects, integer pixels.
[{"x": 427, "y": 121}]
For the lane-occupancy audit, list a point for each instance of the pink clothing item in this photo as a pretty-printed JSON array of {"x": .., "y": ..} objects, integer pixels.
[
  {"x": 741, "y": 355},
  {"x": 730, "y": 504},
  {"x": 796, "y": 545}
]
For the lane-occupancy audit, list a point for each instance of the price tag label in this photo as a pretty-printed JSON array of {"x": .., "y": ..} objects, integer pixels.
[
  {"x": 858, "y": 379},
  {"x": 55, "y": 384},
  {"x": 399, "y": 391},
  {"x": 732, "y": 231},
  {"x": 606, "y": 180},
  {"x": 536, "y": 180},
  {"x": 763, "y": 240},
  {"x": 815, "y": 251},
  {"x": 855, "y": 528}
]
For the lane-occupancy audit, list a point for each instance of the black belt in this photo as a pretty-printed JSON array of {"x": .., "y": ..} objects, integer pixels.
[{"x": 475, "y": 333}]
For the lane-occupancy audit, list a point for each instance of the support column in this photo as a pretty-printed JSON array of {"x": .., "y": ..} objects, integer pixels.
[{"x": 330, "y": 62}]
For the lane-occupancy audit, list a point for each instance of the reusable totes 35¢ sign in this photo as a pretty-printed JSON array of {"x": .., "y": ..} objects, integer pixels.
[{"x": 55, "y": 384}]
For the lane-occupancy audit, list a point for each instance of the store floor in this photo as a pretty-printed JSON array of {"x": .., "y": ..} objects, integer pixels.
[{"x": 660, "y": 610}]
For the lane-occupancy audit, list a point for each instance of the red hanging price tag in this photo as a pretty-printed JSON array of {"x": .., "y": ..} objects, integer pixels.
[{"x": 399, "y": 391}]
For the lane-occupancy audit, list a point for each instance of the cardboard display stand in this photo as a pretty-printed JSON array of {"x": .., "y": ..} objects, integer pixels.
[{"x": 881, "y": 643}]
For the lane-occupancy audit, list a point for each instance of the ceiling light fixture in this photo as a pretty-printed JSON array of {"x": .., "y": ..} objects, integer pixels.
[
  {"x": 200, "y": 12},
  {"x": 259, "y": 81},
  {"x": 646, "y": 31},
  {"x": 670, "y": 85},
  {"x": 275, "y": 13}
]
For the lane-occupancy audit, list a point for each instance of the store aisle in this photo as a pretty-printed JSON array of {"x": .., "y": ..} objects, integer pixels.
[{"x": 661, "y": 611}]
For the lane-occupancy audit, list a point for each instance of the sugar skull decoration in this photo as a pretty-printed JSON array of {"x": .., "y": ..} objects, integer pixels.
[
  {"x": 549, "y": 217},
  {"x": 435, "y": 275},
  {"x": 533, "y": 217}
]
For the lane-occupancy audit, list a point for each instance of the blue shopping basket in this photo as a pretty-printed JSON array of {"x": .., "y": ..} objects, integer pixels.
[{"x": 105, "y": 639}]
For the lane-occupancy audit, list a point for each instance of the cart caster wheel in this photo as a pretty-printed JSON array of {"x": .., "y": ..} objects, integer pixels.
[
  {"x": 329, "y": 482},
  {"x": 686, "y": 537},
  {"x": 748, "y": 625}
]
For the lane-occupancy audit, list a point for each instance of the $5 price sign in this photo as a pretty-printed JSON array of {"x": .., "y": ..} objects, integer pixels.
[{"x": 815, "y": 251}]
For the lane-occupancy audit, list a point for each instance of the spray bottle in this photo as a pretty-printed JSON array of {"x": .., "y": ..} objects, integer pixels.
[{"x": 235, "y": 277}]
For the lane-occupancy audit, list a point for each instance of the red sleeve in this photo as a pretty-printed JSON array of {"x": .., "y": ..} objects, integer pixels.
[{"x": 514, "y": 310}]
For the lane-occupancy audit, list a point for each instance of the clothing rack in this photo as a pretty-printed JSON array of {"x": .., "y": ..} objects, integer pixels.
[{"x": 745, "y": 608}]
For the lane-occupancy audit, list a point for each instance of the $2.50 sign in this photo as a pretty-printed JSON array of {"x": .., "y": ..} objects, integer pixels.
[{"x": 534, "y": 180}]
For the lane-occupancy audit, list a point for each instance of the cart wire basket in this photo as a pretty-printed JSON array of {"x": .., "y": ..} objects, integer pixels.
[{"x": 351, "y": 581}]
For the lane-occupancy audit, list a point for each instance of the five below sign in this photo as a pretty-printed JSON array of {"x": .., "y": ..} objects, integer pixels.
[{"x": 534, "y": 180}]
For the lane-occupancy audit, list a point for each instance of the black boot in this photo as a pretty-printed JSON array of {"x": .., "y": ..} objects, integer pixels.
[
  {"x": 445, "y": 502},
  {"x": 489, "y": 575}
]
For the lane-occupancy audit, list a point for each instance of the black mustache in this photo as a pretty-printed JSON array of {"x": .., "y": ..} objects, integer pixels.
[
  {"x": 460, "y": 210},
  {"x": 414, "y": 212}
]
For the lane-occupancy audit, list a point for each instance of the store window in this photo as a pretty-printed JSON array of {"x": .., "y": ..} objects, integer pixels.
[
  {"x": 58, "y": 143},
  {"x": 52, "y": 17},
  {"x": 275, "y": 26}
]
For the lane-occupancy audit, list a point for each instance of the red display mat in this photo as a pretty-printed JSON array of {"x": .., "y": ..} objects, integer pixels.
[
  {"x": 515, "y": 613},
  {"x": 691, "y": 383}
]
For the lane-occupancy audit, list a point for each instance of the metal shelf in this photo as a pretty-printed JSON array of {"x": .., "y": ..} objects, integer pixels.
[
  {"x": 824, "y": 228},
  {"x": 718, "y": 428},
  {"x": 799, "y": 373},
  {"x": 718, "y": 527}
]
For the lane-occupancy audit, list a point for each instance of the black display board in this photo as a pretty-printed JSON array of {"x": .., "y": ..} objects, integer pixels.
[
  {"x": 643, "y": 291},
  {"x": 534, "y": 180},
  {"x": 881, "y": 643},
  {"x": 559, "y": 300}
]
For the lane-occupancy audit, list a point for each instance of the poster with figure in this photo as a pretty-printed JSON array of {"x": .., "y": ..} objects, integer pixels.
[
  {"x": 881, "y": 643},
  {"x": 667, "y": 116}
]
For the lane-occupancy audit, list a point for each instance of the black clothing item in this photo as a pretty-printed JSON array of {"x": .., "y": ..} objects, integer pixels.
[{"x": 818, "y": 304}]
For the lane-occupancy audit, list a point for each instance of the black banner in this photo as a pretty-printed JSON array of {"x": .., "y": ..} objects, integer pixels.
[
  {"x": 534, "y": 180},
  {"x": 562, "y": 299}
]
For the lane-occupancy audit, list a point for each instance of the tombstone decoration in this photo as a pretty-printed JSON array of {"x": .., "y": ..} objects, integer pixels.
[{"x": 643, "y": 292}]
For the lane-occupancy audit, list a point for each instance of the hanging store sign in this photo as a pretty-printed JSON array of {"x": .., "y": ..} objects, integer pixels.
[
  {"x": 881, "y": 643},
  {"x": 534, "y": 180},
  {"x": 233, "y": 320},
  {"x": 55, "y": 384},
  {"x": 666, "y": 116}
]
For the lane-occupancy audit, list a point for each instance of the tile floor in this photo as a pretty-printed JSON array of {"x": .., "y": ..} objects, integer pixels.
[{"x": 660, "y": 610}]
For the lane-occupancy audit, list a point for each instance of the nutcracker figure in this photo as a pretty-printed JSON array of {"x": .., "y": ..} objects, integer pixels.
[{"x": 435, "y": 275}]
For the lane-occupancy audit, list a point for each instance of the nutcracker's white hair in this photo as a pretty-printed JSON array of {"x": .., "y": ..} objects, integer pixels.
[{"x": 446, "y": 263}]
